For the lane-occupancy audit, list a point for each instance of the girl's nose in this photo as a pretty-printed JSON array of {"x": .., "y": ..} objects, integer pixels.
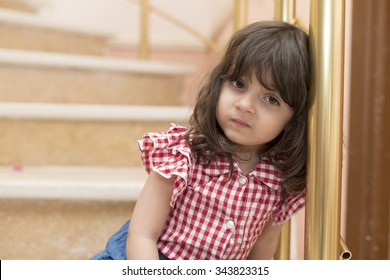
[{"x": 245, "y": 103}]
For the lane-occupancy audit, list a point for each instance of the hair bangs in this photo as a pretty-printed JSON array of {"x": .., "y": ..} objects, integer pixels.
[{"x": 263, "y": 58}]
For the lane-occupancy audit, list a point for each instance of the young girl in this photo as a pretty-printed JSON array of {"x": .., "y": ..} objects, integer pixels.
[{"x": 222, "y": 188}]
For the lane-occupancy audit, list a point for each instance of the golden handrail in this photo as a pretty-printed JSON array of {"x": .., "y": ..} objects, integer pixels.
[
  {"x": 284, "y": 11},
  {"x": 240, "y": 10},
  {"x": 208, "y": 42},
  {"x": 322, "y": 239},
  {"x": 300, "y": 24},
  {"x": 143, "y": 51},
  {"x": 146, "y": 7},
  {"x": 284, "y": 248}
]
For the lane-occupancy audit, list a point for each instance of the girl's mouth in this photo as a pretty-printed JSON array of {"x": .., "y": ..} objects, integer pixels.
[{"x": 240, "y": 123}]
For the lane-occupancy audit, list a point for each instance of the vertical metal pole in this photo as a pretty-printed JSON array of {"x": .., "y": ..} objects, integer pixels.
[
  {"x": 240, "y": 11},
  {"x": 322, "y": 236},
  {"x": 284, "y": 10},
  {"x": 143, "y": 51},
  {"x": 284, "y": 252}
]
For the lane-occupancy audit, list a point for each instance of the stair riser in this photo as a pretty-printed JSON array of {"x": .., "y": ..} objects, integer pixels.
[
  {"x": 88, "y": 143},
  {"x": 59, "y": 85},
  {"x": 22, "y": 37}
]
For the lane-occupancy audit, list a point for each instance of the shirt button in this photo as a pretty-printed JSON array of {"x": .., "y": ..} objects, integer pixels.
[
  {"x": 242, "y": 180},
  {"x": 230, "y": 224}
]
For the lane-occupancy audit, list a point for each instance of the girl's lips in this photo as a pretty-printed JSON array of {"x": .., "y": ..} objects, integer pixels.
[{"x": 240, "y": 122}]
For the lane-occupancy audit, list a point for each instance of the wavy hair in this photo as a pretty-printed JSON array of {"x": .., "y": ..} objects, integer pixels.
[{"x": 277, "y": 54}]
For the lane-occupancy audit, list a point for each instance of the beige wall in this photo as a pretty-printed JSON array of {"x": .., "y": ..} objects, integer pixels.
[{"x": 120, "y": 17}]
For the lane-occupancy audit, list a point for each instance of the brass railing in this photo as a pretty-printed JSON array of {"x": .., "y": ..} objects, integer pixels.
[
  {"x": 240, "y": 8},
  {"x": 325, "y": 130},
  {"x": 285, "y": 11}
]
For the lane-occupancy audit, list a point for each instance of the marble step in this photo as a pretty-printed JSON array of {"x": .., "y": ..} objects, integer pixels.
[
  {"x": 25, "y": 31},
  {"x": 87, "y": 135},
  {"x": 77, "y": 183},
  {"x": 59, "y": 78},
  {"x": 19, "y": 5}
]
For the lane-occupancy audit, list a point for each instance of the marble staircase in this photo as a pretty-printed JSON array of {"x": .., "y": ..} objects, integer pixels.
[
  {"x": 70, "y": 117},
  {"x": 25, "y": 31}
]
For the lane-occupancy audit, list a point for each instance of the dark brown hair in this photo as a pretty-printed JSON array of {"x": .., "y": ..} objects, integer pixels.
[{"x": 277, "y": 54}]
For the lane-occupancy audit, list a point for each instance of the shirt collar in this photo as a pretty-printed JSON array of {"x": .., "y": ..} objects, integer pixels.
[{"x": 265, "y": 172}]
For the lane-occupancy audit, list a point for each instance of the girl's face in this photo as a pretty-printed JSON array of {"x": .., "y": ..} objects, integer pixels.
[{"x": 249, "y": 114}]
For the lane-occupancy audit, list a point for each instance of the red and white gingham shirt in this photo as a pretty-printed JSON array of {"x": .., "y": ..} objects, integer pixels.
[{"x": 211, "y": 217}]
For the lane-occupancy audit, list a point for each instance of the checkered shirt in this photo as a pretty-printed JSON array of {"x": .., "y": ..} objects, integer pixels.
[{"x": 211, "y": 216}]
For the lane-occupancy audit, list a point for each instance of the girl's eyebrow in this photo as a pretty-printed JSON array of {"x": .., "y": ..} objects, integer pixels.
[{"x": 273, "y": 91}]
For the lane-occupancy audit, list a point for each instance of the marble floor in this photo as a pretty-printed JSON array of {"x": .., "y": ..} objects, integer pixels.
[{"x": 57, "y": 230}]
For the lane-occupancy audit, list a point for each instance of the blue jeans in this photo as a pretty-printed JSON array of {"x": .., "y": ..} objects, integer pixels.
[
  {"x": 105, "y": 256},
  {"x": 116, "y": 246}
]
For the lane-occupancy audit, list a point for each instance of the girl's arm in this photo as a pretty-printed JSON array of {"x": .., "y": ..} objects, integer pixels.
[
  {"x": 149, "y": 217},
  {"x": 267, "y": 243}
]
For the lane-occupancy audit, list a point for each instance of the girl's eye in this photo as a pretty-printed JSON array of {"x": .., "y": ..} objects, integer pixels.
[
  {"x": 272, "y": 100},
  {"x": 238, "y": 84}
]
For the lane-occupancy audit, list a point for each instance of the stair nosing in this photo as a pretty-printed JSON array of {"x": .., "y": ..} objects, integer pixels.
[
  {"x": 92, "y": 112},
  {"x": 35, "y": 183},
  {"x": 39, "y": 22},
  {"x": 88, "y": 62}
]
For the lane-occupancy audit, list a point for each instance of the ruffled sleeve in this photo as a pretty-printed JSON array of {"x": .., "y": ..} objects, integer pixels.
[
  {"x": 168, "y": 154},
  {"x": 290, "y": 206}
]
